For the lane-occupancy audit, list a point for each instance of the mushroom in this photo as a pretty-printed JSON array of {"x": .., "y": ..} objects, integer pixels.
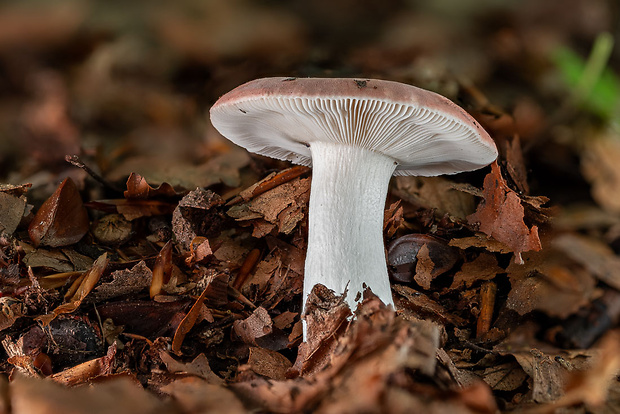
[{"x": 356, "y": 134}]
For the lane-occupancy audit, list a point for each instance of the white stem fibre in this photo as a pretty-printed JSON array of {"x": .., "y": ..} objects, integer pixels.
[{"x": 345, "y": 224}]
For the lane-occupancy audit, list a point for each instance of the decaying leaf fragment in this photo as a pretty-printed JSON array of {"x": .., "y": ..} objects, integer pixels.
[
  {"x": 13, "y": 206},
  {"x": 500, "y": 215},
  {"x": 281, "y": 207}
]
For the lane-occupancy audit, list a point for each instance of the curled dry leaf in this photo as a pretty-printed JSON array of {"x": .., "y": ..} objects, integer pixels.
[
  {"x": 500, "y": 215},
  {"x": 198, "y": 310},
  {"x": 87, "y": 371},
  {"x": 199, "y": 367},
  {"x": 255, "y": 326},
  {"x": 483, "y": 267},
  {"x": 87, "y": 284},
  {"x": 62, "y": 219},
  {"x": 280, "y": 207},
  {"x": 138, "y": 188}
]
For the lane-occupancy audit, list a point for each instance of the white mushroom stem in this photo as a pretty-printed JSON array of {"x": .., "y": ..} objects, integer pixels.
[{"x": 345, "y": 224}]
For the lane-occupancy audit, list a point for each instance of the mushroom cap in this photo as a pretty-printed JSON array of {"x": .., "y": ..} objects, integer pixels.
[{"x": 425, "y": 133}]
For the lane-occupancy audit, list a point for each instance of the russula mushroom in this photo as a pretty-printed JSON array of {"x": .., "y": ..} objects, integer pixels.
[{"x": 356, "y": 134}]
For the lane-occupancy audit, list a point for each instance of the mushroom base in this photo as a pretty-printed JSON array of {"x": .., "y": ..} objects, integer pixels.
[{"x": 345, "y": 225}]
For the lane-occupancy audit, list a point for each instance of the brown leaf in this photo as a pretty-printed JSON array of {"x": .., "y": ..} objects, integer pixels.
[
  {"x": 199, "y": 367},
  {"x": 416, "y": 305},
  {"x": 436, "y": 193},
  {"x": 597, "y": 257},
  {"x": 393, "y": 219},
  {"x": 270, "y": 182},
  {"x": 600, "y": 165},
  {"x": 424, "y": 268},
  {"x": 197, "y": 310},
  {"x": 133, "y": 209},
  {"x": 545, "y": 284},
  {"x": 120, "y": 395},
  {"x": 282, "y": 206},
  {"x": 138, "y": 188},
  {"x": 480, "y": 240},
  {"x": 198, "y": 396},
  {"x": 483, "y": 267},
  {"x": 89, "y": 281},
  {"x": 87, "y": 371},
  {"x": 62, "y": 219},
  {"x": 500, "y": 215},
  {"x": 125, "y": 282},
  {"x": 547, "y": 374},
  {"x": 255, "y": 326},
  {"x": 196, "y": 215},
  {"x": 12, "y": 210},
  {"x": 270, "y": 364}
]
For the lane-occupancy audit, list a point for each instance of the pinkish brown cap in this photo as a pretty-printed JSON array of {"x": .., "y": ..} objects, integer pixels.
[{"x": 425, "y": 133}]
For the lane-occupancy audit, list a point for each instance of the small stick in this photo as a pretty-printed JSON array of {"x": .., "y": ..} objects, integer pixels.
[{"x": 75, "y": 161}]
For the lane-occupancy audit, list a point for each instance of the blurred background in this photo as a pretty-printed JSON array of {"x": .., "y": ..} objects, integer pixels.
[{"x": 127, "y": 85}]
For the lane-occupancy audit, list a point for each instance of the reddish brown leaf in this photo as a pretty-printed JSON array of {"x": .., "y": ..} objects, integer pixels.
[
  {"x": 62, "y": 219},
  {"x": 188, "y": 322},
  {"x": 500, "y": 215},
  {"x": 138, "y": 188}
]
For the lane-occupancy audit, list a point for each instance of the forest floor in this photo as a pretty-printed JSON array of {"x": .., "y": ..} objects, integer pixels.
[{"x": 149, "y": 265}]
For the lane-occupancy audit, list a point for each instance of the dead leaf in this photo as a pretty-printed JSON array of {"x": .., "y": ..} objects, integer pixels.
[
  {"x": 424, "y": 268},
  {"x": 255, "y": 326},
  {"x": 600, "y": 165},
  {"x": 120, "y": 395},
  {"x": 500, "y": 215},
  {"x": 198, "y": 310},
  {"x": 124, "y": 282},
  {"x": 12, "y": 210},
  {"x": 199, "y": 367},
  {"x": 270, "y": 364},
  {"x": 198, "y": 396},
  {"x": 138, "y": 188},
  {"x": 87, "y": 371},
  {"x": 483, "y": 267},
  {"x": 480, "y": 240},
  {"x": 196, "y": 215},
  {"x": 597, "y": 257},
  {"x": 435, "y": 193},
  {"x": 62, "y": 219},
  {"x": 89, "y": 281},
  {"x": 282, "y": 206}
]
